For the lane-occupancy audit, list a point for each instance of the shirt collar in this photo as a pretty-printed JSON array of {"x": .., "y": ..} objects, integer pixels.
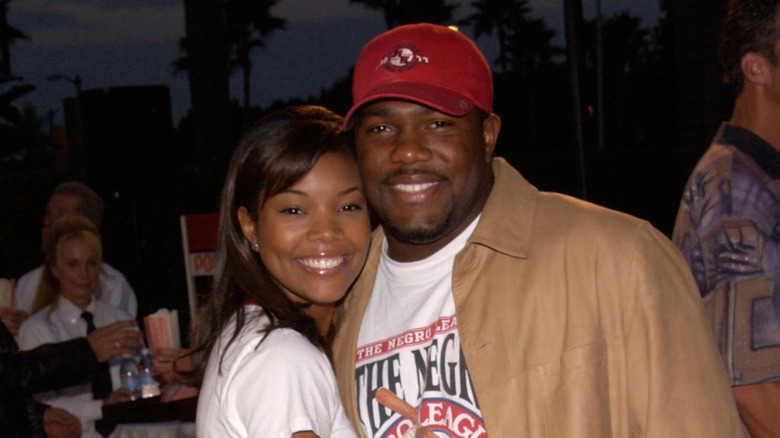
[
  {"x": 71, "y": 312},
  {"x": 762, "y": 153}
]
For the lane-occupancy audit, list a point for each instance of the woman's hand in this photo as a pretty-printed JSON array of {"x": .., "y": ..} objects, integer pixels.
[
  {"x": 170, "y": 362},
  {"x": 12, "y": 318},
  {"x": 59, "y": 423},
  {"x": 119, "y": 396}
]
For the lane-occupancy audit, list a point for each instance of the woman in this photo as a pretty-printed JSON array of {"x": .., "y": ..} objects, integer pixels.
[
  {"x": 73, "y": 258},
  {"x": 295, "y": 233}
]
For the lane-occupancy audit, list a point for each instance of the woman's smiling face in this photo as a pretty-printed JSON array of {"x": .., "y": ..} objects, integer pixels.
[{"x": 314, "y": 236}]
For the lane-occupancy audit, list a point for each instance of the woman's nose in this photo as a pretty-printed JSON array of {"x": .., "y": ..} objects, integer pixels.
[{"x": 325, "y": 227}]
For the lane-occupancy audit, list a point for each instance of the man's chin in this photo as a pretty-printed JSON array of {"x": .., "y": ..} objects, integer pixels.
[{"x": 416, "y": 235}]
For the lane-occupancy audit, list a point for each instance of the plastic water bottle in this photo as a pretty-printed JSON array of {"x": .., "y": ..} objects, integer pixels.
[
  {"x": 148, "y": 379},
  {"x": 128, "y": 375}
]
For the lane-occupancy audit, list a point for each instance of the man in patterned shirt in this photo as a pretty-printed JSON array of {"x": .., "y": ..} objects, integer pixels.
[{"x": 728, "y": 224}]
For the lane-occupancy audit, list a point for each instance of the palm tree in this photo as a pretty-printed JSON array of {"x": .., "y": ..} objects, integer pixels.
[
  {"x": 398, "y": 12},
  {"x": 9, "y": 112},
  {"x": 250, "y": 22},
  {"x": 8, "y": 36},
  {"x": 529, "y": 46},
  {"x": 206, "y": 60},
  {"x": 498, "y": 15}
]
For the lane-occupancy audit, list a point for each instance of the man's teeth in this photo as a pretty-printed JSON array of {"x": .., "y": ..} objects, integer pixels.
[
  {"x": 323, "y": 263},
  {"x": 414, "y": 188}
]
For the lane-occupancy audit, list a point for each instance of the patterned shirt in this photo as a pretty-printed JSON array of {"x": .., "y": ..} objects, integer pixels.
[{"x": 728, "y": 229}]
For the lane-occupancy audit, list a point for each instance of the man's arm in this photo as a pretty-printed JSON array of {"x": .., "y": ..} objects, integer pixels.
[
  {"x": 759, "y": 407},
  {"x": 49, "y": 366},
  {"x": 677, "y": 382},
  {"x": 63, "y": 364}
]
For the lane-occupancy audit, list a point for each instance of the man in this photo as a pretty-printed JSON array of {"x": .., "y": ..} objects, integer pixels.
[
  {"x": 728, "y": 224},
  {"x": 493, "y": 308},
  {"x": 53, "y": 366},
  {"x": 70, "y": 197}
]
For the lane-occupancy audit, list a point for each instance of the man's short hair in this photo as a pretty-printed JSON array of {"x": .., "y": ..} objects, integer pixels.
[
  {"x": 749, "y": 26},
  {"x": 91, "y": 205}
]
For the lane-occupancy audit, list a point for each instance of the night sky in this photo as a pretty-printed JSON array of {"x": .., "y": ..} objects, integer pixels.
[{"x": 134, "y": 42}]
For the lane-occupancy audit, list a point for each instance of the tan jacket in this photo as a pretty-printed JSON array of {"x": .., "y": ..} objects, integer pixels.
[{"x": 575, "y": 321}]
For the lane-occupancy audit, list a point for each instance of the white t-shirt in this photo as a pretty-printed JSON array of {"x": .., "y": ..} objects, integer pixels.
[
  {"x": 284, "y": 385},
  {"x": 114, "y": 290},
  {"x": 62, "y": 324},
  {"x": 409, "y": 343}
]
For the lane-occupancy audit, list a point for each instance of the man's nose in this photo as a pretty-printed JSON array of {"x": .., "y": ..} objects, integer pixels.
[{"x": 410, "y": 147}]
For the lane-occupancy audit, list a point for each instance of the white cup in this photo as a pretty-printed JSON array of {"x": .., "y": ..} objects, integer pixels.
[{"x": 6, "y": 293}]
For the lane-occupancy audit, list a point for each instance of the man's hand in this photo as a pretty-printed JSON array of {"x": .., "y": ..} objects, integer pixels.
[
  {"x": 121, "y": 337},
  {"x": 12, "y": 318},
  {"x": 391, "y": 401},
  {"x": 59, "y": 423}
]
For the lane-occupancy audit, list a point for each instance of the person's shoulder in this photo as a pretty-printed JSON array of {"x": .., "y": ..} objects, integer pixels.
[
  {"x": 40, "y": 316},
  {"x": 290, "y": 343},
  {"x": 579, "y": 213},
  {"x": 32, "y": 274},
  {"x": 31, "y": 327},
  {"x": 715, "y": 164},
  {"x": 287, "y": 349},
  {"x": 281, "y": 352},
  {"x": 111, "y": 311},
  {"x": 111, "y": 272},
  {"x": 30, "y": 280}
]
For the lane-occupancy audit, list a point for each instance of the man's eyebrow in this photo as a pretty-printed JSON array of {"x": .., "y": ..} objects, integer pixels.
[{"x": 375, "y": 112}]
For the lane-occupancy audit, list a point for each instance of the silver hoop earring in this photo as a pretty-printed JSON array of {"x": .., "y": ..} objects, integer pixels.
[{"x": 256, "y": 247}]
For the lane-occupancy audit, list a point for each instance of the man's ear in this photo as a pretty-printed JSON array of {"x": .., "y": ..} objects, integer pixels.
[
  {"x": 490, "y": 129},
  {"x": 755, "y": 68}
]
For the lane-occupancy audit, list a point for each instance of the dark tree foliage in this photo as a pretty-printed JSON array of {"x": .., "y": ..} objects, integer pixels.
[
  {"x": 398, "y": 12},
  {"x": 501, "y": 16}
]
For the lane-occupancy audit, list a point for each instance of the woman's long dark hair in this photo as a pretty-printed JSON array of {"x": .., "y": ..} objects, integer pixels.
[{"x": 274, "y": 154}]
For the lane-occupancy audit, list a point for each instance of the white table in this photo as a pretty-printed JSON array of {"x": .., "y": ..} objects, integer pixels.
[{"x": 172, "y": 429}]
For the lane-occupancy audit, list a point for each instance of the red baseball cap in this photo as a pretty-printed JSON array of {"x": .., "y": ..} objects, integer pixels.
[{"x": 425, "y": 63}]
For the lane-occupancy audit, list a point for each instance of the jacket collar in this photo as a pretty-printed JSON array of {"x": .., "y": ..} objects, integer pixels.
[{"x": 506, "y": 225}]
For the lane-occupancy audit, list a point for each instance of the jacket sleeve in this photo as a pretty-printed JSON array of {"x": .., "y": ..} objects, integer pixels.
[
  {"x": 671, "y": 355},
  {"x": 48, "y": 367}
]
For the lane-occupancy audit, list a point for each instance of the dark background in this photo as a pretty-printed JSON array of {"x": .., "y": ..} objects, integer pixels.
[{"x": 659, "y": 120}]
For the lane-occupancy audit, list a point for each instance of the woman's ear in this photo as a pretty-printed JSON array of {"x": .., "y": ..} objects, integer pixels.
[{"x": 247, "y": 225}]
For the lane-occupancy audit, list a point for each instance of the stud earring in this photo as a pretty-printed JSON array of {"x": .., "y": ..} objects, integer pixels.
[{"x": 255, "y": 247}]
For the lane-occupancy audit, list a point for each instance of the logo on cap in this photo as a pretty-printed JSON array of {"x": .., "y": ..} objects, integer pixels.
[{"x": 402, "y": 58}]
